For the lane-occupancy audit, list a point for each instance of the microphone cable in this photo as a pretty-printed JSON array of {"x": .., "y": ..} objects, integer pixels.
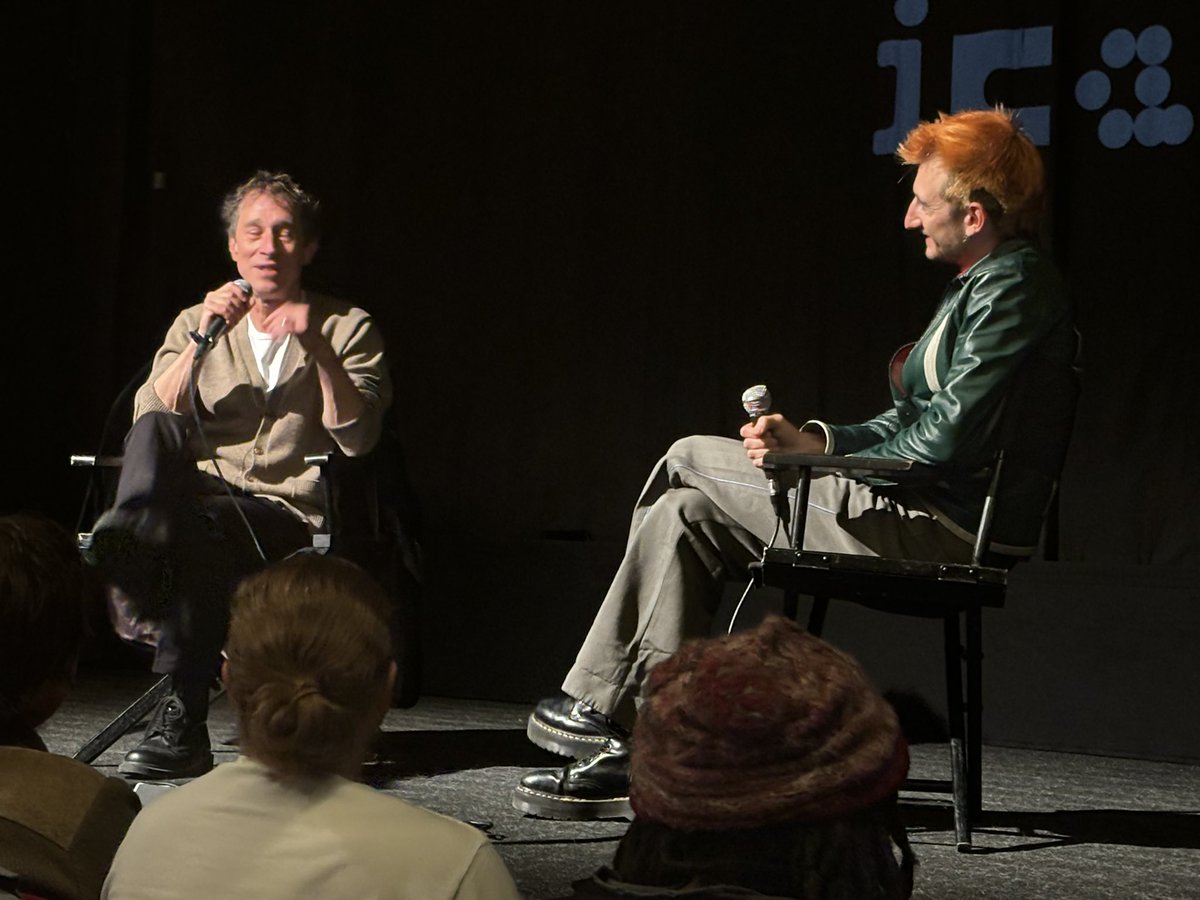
[
  {"x": 750, "y": 584},
  {"x": 212, "y": 457}
]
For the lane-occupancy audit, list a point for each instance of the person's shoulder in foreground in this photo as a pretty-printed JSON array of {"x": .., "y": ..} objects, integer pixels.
[
  {"x": 60, "y": 820},
  {"x": 309, "y": 669},
  {"x": 327, "y": 838}
]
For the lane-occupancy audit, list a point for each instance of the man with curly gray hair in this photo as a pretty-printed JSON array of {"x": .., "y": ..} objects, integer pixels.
[{"x": 247, "y": 383}]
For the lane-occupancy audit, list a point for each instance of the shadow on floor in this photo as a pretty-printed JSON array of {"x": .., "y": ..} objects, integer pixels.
[
  {"x": 1131, "y": 828},
  {"x": 404, "y": 754}
]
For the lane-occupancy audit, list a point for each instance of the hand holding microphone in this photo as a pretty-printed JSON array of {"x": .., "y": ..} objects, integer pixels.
[
  {"x": 227, "y": 306},
  {"x": 756, "y": 401},
  {"x": 767, "y": 431},
  {"x": 758, "y": 436}
]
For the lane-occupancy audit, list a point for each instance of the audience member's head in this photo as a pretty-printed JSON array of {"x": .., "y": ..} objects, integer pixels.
[
  {"x": 766, "y": 759},
  {"x": 42, "y": 588},
  {"x": 309, "y": 667}
]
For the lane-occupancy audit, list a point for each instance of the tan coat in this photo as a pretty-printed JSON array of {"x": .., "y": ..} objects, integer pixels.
[{"x": 60, "y": 822}]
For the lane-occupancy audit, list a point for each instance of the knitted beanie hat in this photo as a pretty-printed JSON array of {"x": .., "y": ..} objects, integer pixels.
[{"x": 762, "y": 727}]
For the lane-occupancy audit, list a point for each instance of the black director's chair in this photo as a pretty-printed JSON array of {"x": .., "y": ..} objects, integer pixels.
[
  {"x": 956, "y": 594},
  {"x": 370, "y": 518},
  {"x": 1034, "y": 428}
]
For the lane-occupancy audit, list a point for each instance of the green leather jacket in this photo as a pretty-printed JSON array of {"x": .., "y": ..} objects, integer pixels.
[{"x": 994, "y": 369}]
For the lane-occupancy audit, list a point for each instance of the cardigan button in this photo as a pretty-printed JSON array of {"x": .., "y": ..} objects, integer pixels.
[{"x": 258, "y": 451}]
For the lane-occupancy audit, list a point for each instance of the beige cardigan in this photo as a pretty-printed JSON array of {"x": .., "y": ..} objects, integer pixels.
[{"x": 260, "y": 437}]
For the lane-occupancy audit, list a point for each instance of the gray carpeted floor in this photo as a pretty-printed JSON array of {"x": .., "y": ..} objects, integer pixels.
[{"x": 1055, "y": 825}]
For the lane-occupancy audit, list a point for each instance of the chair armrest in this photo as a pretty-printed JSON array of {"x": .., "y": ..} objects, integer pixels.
[
  {"x": 85, "y": 461},
  {"x": 797, "y": 468},
  {"x": 785, "y": 469},
  {"x": 847, "y": 465},
  {"x": 349, "y": 494}
]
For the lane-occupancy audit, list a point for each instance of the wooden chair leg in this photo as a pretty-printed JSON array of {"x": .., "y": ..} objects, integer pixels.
[{"x": 959, "y": 762}]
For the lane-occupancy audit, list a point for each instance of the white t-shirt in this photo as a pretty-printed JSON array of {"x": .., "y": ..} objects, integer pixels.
[
  {"x": 236, "y": 832},
  {"x": 268, "y": 352}
]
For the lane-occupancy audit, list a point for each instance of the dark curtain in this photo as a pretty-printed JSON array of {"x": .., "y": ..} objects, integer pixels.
[{"x": 585, "y": 228}]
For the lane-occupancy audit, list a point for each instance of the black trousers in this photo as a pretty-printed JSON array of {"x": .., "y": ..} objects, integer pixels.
[{"x": 207, "y": 548}]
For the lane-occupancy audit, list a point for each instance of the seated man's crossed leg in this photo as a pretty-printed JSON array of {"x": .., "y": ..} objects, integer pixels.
[
  {"x": 175, "y": 543},
  {"x": 704, "y": 515},
  {"x": 977, "y": 197}
]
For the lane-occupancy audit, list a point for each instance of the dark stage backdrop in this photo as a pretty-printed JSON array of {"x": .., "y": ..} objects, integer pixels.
[{"x": 586, "y": 227}]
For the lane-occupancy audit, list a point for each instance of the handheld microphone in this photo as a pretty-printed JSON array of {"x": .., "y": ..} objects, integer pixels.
[
  {"x": 756, "y": 401},
  {"x": 216, "y": 327}
]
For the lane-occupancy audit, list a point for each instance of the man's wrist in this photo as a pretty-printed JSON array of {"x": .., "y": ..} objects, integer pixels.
[{"x": 817, "y": 427}]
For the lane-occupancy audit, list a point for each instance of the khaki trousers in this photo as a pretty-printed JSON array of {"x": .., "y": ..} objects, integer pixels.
[{"x": 703, "y": 516}]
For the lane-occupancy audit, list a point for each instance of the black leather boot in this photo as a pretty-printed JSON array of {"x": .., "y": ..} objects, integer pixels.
[
  {"x": 176, "y": 745},
  {"x": 128, "y": 549},
  {"x": 571, "y": 727},
  {"x": 596, "y": 787}
]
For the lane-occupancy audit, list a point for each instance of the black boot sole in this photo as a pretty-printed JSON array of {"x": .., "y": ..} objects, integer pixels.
[
  {"x": 152, "y": 772},
  {"x": 556, "y": 806},
  {"x": 573, "y": 746}
]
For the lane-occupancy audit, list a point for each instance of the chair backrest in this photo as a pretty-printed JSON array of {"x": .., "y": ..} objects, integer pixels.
[
  {"x": 984, "y": 532},
  {"x": 376, "y": 524},
  {"x": 1036, "y": 426},
  {"x": 374, "y": 506},
  {"x": 102, "y": 468}
]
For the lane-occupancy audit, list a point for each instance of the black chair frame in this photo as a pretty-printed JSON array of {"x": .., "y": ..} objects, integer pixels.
[
  {"x": 956, "y": 594},
  {"x": 359, "y": 524}
]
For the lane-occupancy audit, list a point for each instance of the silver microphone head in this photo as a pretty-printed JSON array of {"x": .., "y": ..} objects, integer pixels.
[
  {"x": 244, "y": 286},
  {"x": 756, "y": 401}
]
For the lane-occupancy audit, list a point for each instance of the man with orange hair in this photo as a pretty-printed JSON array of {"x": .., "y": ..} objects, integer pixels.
[{"x": 705, "y": 514}]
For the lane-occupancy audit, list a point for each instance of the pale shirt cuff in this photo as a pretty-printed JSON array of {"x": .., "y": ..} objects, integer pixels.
[{"x": 817, "y": 425}]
